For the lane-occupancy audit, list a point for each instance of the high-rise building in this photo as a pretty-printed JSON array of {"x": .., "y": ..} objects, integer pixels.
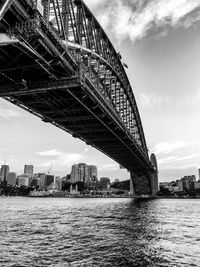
[
  {"x": 189, "y": 178},
  {"x": 4, "y": 172},
  {"x": 74, "y": 174},
  {"x": 83, "y": 172},
  {"x": 196, "y": 185},
  {"x": 49, "y": 179},
  {"x": 179, "y": 184},
  {"x": 28, "y": 169},
  {"x": 92, "y": 171},
  {"x": 188, "y": 182},
  {"x": 41, "y": 177},
  {"x": 199, "y": 174},
  {"x": 11, "y": 178},
  {"x": 79, "y": 173}
]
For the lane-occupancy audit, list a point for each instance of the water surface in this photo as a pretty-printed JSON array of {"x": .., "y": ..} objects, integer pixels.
[{"x": 99, "y": 232}]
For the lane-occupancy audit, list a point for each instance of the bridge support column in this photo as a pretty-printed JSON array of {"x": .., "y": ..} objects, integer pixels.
[
  {"x": 140, "y": 184},
  {"x": 154, "y": 183},
  {"x": 132, "y": 192}
]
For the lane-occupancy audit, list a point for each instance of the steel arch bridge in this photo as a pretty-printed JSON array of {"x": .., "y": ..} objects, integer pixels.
[{"x": 57, "y": 62}]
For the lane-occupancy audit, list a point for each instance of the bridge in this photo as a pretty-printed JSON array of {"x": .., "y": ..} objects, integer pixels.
[{"x": 57, "y": 63}]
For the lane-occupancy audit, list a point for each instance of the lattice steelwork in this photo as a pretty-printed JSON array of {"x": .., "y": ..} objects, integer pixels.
[{"x": 57, "y": 62}]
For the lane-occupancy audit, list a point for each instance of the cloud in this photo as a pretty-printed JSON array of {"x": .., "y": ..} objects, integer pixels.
[
  {"x": 173, "y": 159},
  {"x": 168, "y": 147},
  {"x": 135, "y": 19},
  {"x": 109, "y": 166},
  {"x": 152, "y": 100},
  {"x": 167, "y": 160},
  {"x": 50, "y": 153},
  {"x": 86, "y": 149},
  {"x": 61, "y": 159},
  {"x": 170, "y": 174},
  {"x": 69, "y": 159},
  {"x": 9, "y": 114},
  {"x": 93, "y": 4},
  {"x": 192, "y": 156}
]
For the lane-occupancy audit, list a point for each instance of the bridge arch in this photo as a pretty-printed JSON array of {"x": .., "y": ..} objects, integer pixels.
[{"x": 66, "y": 71}]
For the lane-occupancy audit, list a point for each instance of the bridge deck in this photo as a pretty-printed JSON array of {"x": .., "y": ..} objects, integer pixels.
[{"x": 78, "y": 85}]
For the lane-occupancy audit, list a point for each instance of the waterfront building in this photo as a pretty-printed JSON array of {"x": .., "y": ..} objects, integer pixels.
[
  {"x": 59, "y": 183},
  {"x": 41, "y": 178},
  {"x": 34, "y": 181},
  {"x": 83, "y": 172},
  {"x": 190, "y": 178},
  {"x": 4, "y": 172},
  {"x": 74, "y": 174},
  {"x": 11, "y": 178},
  {"x": 79, "y": 173},
  {"x": 49, "y": 179},
  {"x": 92, "y": 171},
  {"x": 188, "y": 182},
  {"x": 164, "y": 184},
  {"x": 23, "y": 180},
  {"x": 179, "y": 184},
  {"x": 28, "y": 169},
  {"x": 74, "y": 190},
  {"x": 196, "y": 185}
]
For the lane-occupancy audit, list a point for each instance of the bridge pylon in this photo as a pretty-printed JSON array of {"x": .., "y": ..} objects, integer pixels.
[{"x": 145, "y": 184}]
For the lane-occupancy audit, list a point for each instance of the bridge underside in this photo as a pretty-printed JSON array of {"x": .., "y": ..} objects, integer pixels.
[{"x": 75, "y": 90}]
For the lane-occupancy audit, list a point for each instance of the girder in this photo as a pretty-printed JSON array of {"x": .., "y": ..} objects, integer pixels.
[{"x": 57, "y": 62}]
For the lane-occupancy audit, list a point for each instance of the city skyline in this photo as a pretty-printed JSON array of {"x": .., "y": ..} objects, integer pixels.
[{"x": 159, "y": 42}]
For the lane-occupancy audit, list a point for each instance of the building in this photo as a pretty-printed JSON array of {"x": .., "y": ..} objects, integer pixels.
[
  {"x": 79, "y": 173},
  {"x": 49, "y": 179},
  {"x": 23, "y": 180},
  {"x": 28, "y": 169},
  {"x": 83, "y": 172},
  {"x": 4, "y": 172},
  {"x": 34, "y": 181},
  {"x": 164, "y": 185},
  {"x": 179, "y": 184},
  {"x": 92, "y": 171},
  {"x": 190, "y": 178},
  {"x": 41, "y": 180},
  {"x": 11, "y": 178},
  {"x": 196, "y": 185},
  {"x": 74, "y": 174},
  {"x": 188, "y": 182}
]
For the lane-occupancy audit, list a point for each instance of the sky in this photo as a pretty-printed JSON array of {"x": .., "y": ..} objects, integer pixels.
[{"x": 159, "y": 40}]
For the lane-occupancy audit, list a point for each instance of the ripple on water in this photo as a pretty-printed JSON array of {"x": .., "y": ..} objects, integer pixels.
[{"x": 99, "y": 232}]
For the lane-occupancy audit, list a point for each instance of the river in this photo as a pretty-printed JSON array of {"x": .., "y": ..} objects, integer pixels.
[{"x": 99, "y": 232}]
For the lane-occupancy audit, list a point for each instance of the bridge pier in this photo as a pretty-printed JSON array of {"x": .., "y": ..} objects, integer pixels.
[
  {"x": 143, "y": 185},
  {"x": 132, "y": 192}
]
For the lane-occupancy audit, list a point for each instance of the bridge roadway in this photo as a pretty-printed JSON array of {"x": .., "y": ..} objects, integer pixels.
[{"x": 57, "y": 63}]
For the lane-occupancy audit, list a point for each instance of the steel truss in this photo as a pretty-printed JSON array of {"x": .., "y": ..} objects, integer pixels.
[
  {"x": 58, "y": 50},
  {"x": 97, "y": 58}
]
